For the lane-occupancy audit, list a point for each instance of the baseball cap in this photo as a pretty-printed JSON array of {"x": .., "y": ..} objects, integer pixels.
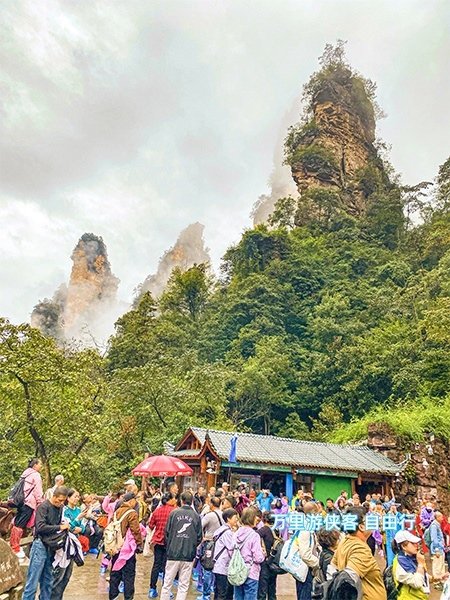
[
  {"x": 130, "y": 482},
  {"x": 406, "y": 536}
]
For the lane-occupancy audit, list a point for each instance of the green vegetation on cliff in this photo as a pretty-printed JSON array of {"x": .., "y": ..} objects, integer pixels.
[{"x": 319, "y": 324}]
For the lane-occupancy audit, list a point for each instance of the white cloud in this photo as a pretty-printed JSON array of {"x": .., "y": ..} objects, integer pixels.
[{"x": 132, "y": 120}]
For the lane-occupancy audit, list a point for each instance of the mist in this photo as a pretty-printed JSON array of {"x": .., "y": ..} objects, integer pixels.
[{"x": 133, "y": 120}]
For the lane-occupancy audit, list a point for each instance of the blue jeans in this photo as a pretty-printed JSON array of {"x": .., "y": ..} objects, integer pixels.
[
  {"x": 248, "y": 591},
  {"x": 39, "y": 573},
  {"x": 208, "y": 584}
]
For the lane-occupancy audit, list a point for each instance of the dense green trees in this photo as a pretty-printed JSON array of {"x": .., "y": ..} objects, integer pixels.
[{"x": 320, "y": 322}]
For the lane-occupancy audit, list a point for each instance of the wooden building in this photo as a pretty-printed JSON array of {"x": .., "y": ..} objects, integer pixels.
[{"x": 283, "y": 465}]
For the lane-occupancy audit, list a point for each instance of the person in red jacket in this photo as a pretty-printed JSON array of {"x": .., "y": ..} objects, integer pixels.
[
  {"x": 445, "y": 526},
  {"x": 158, "y": 522},
  {"x": 26, "y": 514}
]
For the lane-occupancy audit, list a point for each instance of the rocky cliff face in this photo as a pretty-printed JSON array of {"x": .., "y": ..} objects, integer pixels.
[
  {"x": 427, "y": 472},
  {"x": 81, "y": 309},
  {"x": 335, "y": 144},
  {"x": 188, "y": 250}
]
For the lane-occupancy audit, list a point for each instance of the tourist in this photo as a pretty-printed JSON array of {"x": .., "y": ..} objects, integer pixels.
[
  {"x": 437, "y": 550},
  {"x": 183, "y": 535},
  {"x": 47, "y": 525},
  {"x": 249, "y": 543},
  {"x": 211, "y": 522},
  {"x": 228, "y": 502},
  {"x": 297, "y": 500},
  {"x": 328, "y": 541},
  {"x": 426, "y": 515},
  {"x": 71, "y": 514},
  {"x": 267, "y": 585},
  {"x": 158, "y": 522},
  {"x": 353, "y": 552},
  {"x": 199, "y": 499},
  {"x": 26, "y": 514},
  {"x": 409, "y": 570},
  {"x": 306, "y": 543},
  {"x": 242, "y": 501},
  {"x": 223, "y": 550},
  {"x": 281, "y": 507},
  {"x": 59, "y": 481},
  {"x": 123, "y": 564},
  {"x": 264, "y": 500}
]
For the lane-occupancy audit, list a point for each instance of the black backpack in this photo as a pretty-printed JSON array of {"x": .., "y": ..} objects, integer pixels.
[
  {"x": 392, "y": 589},
  {"x": 273, "y": 560},
  {"x": 207, "y": 551},
  {"x": 342, "y": 587},
  {"x": 17, "y": 496}
]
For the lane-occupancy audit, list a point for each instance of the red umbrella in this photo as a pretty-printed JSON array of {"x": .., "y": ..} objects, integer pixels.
[{"x": 162, "y": 466}]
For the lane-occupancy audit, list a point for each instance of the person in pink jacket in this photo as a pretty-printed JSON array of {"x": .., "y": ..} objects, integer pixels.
[
  {"x": 25, "y": 516},
  {"x": 250, "y": 547}
]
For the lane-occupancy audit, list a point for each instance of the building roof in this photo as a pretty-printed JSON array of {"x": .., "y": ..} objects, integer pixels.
[{"x": 269, "y": 449}]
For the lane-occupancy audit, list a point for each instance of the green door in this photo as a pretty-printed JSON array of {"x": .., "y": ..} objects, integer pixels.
[{"x": 330, "y": 487}]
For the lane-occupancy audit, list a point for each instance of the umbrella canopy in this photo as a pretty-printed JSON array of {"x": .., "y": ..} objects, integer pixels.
[{"x": 162, "y": 466}]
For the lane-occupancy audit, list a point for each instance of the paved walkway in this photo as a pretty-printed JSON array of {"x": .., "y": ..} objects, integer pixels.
[{"x": 87, "y": 584}]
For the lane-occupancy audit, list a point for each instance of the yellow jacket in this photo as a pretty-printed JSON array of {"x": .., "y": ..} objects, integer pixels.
[{"x": 355, "y": 554}]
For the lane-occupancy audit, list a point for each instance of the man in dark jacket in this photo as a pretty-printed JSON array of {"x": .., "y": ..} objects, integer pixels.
[
  {"x": 48, "y": 523},
  {"x": 183, "y": 535}
]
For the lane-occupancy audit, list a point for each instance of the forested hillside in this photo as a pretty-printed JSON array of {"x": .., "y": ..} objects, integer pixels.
[{"x": 335, "y": 313}]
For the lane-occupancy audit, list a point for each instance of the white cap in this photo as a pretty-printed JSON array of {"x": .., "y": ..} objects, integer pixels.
[
  {"x": 406, "y": 536},
  {"x": 130, "y": 482}
]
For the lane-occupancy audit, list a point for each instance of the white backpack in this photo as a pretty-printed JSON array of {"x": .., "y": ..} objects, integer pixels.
[{"x": 112, "y": 536}]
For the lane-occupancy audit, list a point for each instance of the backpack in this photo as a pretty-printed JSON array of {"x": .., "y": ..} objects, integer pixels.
[
  {"x": 344, "y": 585},
  {"x": 391, "y": 585},
  {"x": 427, "y": 537},
  {"x": 207, "y": 551},
  {"x": 238, "y": 570},
  {"x": 17, "y": 495},
  {"x": 273, "y": 560},
  {"x": 112, "y": 536}
]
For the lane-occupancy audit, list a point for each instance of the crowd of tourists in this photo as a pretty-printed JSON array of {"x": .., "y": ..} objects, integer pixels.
[{"x": 230, "y": 544}]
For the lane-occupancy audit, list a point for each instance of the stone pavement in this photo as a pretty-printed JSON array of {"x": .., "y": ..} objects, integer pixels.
[{"x": 87, "y": 584}]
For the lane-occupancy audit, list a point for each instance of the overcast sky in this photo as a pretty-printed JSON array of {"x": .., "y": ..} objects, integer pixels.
[{"x": 133, "y": 119}]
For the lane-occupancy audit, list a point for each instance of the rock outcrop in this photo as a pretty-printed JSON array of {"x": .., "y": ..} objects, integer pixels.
[
  {"x": 333, "y": 147},
  {"x": 82, "y": 309},
  {"x": 188, "y": 250},
  {"x": 427, "y": 465}
]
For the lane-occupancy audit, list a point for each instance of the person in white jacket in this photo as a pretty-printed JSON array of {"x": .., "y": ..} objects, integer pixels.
[{"x": 308, "y": 548}]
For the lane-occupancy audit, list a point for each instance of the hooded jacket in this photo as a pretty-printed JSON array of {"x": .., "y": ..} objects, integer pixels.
[
  {"x": 223, "y": 549},
  {"x": 426, "y": 516},
  {"x": 183, "y": 534},
  {"x": 32, "y": 488},
  {"x": 249, "y": 544}
]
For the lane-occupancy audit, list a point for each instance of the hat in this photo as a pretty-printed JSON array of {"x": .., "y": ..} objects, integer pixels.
[
  {"x": 225, "y": 483},
  {"x": 406, "y": 536},
  {"x": 130, "y": 482}
]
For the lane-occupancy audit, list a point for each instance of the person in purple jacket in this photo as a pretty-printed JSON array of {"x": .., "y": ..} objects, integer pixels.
[
  {"x": 223, "y": 550},
  {"x": 426, "y": 515},
  {"x": 249, "y": 544}
]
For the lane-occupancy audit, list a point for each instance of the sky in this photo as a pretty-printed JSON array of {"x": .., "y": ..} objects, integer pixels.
[{"x": 133, "y": 119}]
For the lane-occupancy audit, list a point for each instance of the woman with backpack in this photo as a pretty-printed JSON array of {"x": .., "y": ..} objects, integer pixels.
[
  {"x": 248, "y": 544},
  {"x": 409, "y": 571},
  {"x": 223, "y": 550},
  {"x": 27, "y": 495}
]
